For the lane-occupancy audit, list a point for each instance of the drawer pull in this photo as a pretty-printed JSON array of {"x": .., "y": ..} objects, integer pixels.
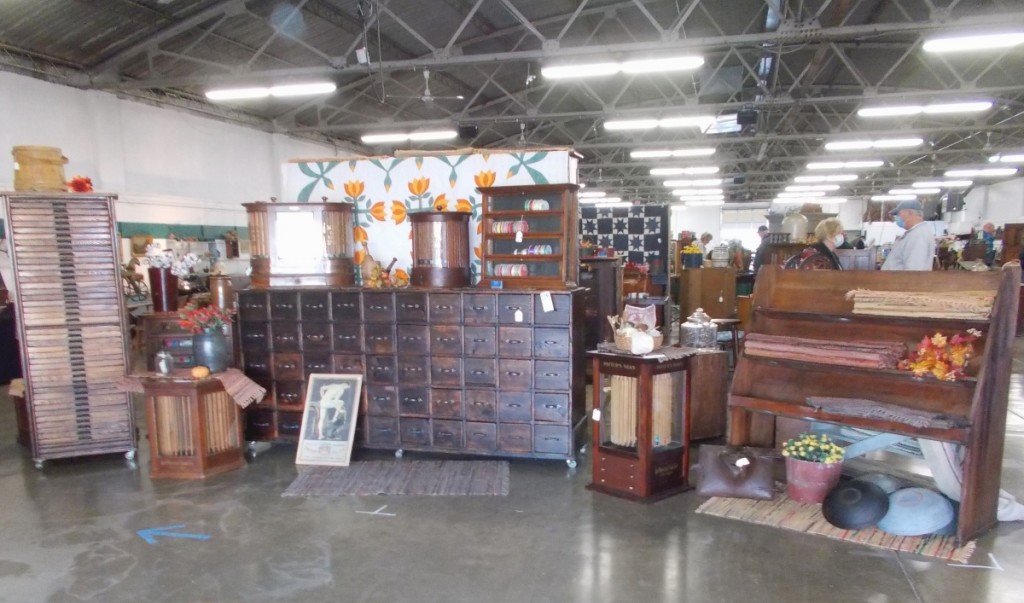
[
  {"x": 513, "y": 374},
  {"x": 254, "y": 335},
  {"x": 262, "y": 425},
  {"x": 285, "y": 337},
  {"x": 346, "y": 337},
  {"x": 551, "y": 342},
  {"x": 516, "y": 437},
  {"x": 512, "y": 308},
  {"x": 289, "y": 397},
  {"x": 345, "y": 305},
  {"x": 513, "y": 342},
  {"x": 442, "y": 307},
  {"x": 479, "y": 434},
  {"x": 478, "y": 403},
  {"x": 379, "y": 308},
  {"x": 551, "y": 439},
  {"x": 411, "y": 338},
  {"x": 257, "y": 365},
  {"x": 416, "y": 400},
  {"x": 288, "y": 366},
  {"x": 479, "y": 341},
  {"x": 315, "y": 338},
  {"x": 383, "y": 429},
  {"x": 552, "y": 406},
  {"x": 351, "y": 367},
  {"x": 283, "y": 306},
  {"x": 447, "y": 370},
  {"x": 552, "y": 374},
  {"x": 379, "y": 338},
  {"x": 514, "y": 405},
  {"x": 481, "y": 308},
  {"x": 446, "y": 339},
  {"x": 479, "y": 372},
  {"x": 314, "y": 307},
  {"x": 412, "y": 369},
  {"x": 316, "y": 367},
  {"x": 381, "y": 398},
  {"x": 410, "y": 306},
  {"x": 416, "y": 431}
]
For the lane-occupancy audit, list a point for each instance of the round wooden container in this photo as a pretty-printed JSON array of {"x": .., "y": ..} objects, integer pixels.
[{"x": 440, "y": 249}]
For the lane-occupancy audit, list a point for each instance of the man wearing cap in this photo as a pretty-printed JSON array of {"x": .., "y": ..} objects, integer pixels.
[
  {"x": 915, "y": 250},
  {"x": 762, "y": 249}
]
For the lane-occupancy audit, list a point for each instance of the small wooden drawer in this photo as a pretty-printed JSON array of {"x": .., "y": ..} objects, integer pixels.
[
  {"x": 551, "y": 374},
  {"x": 445, "y": 339},
  {"x": 380, "y": 369},
  {"x": 257, "y": 366},
  {"x": 348, "y": 337},
  {"x": 415, "y": 432},
  {"x": 479, "y": 308},
  {"x": 259, "y": 424},
  {"x": 289, "y": 394},
  {"x": 515, "y": 437},
  {"x": 314, "y": 305},
  {"x": 382, "y": 400},
  {"x": 413, "y": 401},
  {"x": 552, "y": 408},
  {"x": 515, "y": 342},
  {"x": 447, "y": 434},
  {"x": 510, "y": 305},
  {"x": 413, "y": 369},
  {"x": 616, "y": 472},
  {"x": 444, "y": 308},
  {"x": 559, "y": 316},
  {"x": 480, "y": 341},
  {"x": 515, "y": 407},
  {"x": 481, "y": 405},
  {"x": 378, "y": 307},
  {"x": 252, "y": 305},
  {"x": 446, "y": 403},
  {"x": 284, "y": 305},
  {"x": 255, "y": 336},
  {"x": 382, "y": 431},
  {"x": 550, "y": 342},
  {"x": 515, "y": 374},
  {"x": 481, "y": 371},
  {"x": 481, "y": 437},
  {"x": 413, "y": 339},
  {"x": 284, "y": 336},
  {"x": 289, "y": 425},
  {"x": 446, "y": 371},
  {"x": 410, "y": 307},
  {"x": 379, "y": 339},
  {"x": 316, "y": 363},
  {"x": 287, "y": 367},
  {"x": 345, "y": 306},
  {"x": 316, "y": 336},
  {"x": 348, "y": 364},
  {"x": 551, "y": 439}
]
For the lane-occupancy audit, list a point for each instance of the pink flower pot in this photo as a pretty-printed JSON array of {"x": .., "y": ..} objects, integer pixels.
[{"x": 810, "y": 482}]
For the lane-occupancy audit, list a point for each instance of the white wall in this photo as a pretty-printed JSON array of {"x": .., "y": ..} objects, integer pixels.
[
  {"x": 167, "y": 166},
  {"x": 1000, "y": 203}
]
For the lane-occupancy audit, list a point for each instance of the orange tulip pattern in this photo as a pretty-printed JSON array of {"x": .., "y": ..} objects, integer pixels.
[
  {"x": 359, "y": 234},
  {"x": 441, "y": 203},
  {"x": 354, "y": 188},
  {"x": 485, "y": 178},
  {"x": 398, "y": 211},
  {"x": 378, "y": 212},
  {"x": 476, "y": 250},
  {"x": 463, "y": 205},
  {"x": 418, "y": 186},
  {"x": 360, "y": 255}
]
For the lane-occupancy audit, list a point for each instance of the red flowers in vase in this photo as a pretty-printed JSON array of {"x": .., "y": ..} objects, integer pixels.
[{"x": 208, "y": 318}]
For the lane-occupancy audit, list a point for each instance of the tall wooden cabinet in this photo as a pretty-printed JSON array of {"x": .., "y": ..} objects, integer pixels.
[
  {"x": 71, "y": 323},
  {"x": 713, "y": 289},
  {"x": 603, "y": 279}
]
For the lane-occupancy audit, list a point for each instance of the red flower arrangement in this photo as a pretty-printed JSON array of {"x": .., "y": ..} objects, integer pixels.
[
  {"x": 942, "y": 357},
  {"x": 198, "y": 320},
  {"x": 80, "y": 184}
]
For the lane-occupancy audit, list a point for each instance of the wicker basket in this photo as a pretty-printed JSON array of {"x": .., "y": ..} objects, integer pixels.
[{"x": 622, "y": 342}]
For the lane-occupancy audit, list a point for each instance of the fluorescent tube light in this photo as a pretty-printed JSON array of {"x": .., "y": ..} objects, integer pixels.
[
  {"x": 881, "y": 143},
  {"x": 596, "y": 200},
  {"x": 592, "y": 194},
  {"x": 376, "y": 138},
  {"x": 574, "y": 71},
  {"x": 845, "y": 165},
  {"x": 848, "y": 145},
  {"x": 631, "y": 124},
  {"x": 894, "y": 111},
  {"x": 614, "y": 204},
  {"x": 698, "y": 183},
  {"x": 694, "y": 121},
  {"x": 973, "y": 42},
  {"x": 980, "y": 172},
  {"x": 662, "y": 65},
  {"x": 662, "y": 153},
  {"x": 919, "y": 190},
  {"x": 650, "y": 154},
  {"x": 942, "y": 183},
  {"x": 931, "y": 109},
  {"x": 413, "y": 136},
  {"x": 237, "y": 93},
  {"x": 803, "y": 188},
  {"x": 1009, "y": 158},
  {"x": 827, "y": 178},
  {"x": 666, "y": 171},
  {"x": 784, "y": 194},
  {"x": 701, "y": 169},
  {"x": 303, "y": 89},
  {"x": 433, "y": 135},
  {"x": 894, "y": 197},
  {"x": 795, "y": 200},
  {"x": 706, "y": 202}
]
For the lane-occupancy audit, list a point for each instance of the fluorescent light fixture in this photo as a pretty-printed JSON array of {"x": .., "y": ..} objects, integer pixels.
[
  {"x": 1008, "y": 158},
  {"x": 881, "y": 143},
  {"x": 942, "y": 183},
  {"x": 303, "y": 89},
  {"x": 930, "y": 109},
  {"x": 801, "y": 194},
  {"x": 662, "y": 153},
  {"x": 413, "y": 136},
  {"x": 795, "y": 200},
  {"x": 724, "y": 124},
  {"x": 705, "y": 202},
  {"x": 848, "y": 145},
  {"x": 699, "y": 192},
  {"x": 592, "y": 194},
  {"x": 666, "y": 171},
  {"x": 614, "y": 204},
  {"x": 698, "y": 183},
  {"x": 377, "y": 138},
  {"x": 915, "y": 191},
  {"x": 845, "y": 165},
  {"x": 804, "y": 188},
  {"x": 433, "y": 135},
  {"x": 894, "y": 111},
  {"x": 596, "y": 200},
  {"x": 690, "y": 121},
  {"x": 660, "y": 65},
  {"x": 631, "y": 124},
  {"x": 826, "y": 178},
  {"x": 237, "y": 93},
  {"x": 894, "y": 197},
  {"x": 980, "y": 172},
  {"x": 700, "y": 169},
  {"x": 974, "y": 42}
]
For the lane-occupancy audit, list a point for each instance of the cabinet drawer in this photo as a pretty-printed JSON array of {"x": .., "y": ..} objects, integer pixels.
[
  {"x": 515, "y": 342},
  {"x": 446, "y": 371},
  {"x": 480, "y": 341},
  {"x": 559, "y": 316},
  {"x": 615, "y": 472},
  {"x": 314, "y": 305},
  {"x": 415, "y": 432},
  {"x": 444, "y": 308},
  {"x": 481, "y": 371},
  {"x": 447, "y": 434},
  {"x": 515, "y": 407},
  {"x": 479, "y": 308},
  {"x": 380, "y": 369},
  {"x": 414, "y": 370},
  {"x": 552, "y": 439},
  {"x": 345, "y": 364},
  {"x": 413, "y": 339},
  {"x": 252, "y": 305},
  {"x": 289, "y": 394},
  {"x": 445, "y": 339},
  {"x": 348, "y": 337},
  {"x": 287, "y": 367},
  {"x": 411, "y": 307},
  {"x": 379, "y": 339},
  {"x": 553, "y": 408},
  {"x": 382, "y": 431},
  {"x": 259, "y": 425},
  {"x": 254, "y": 336},
  {"x": 345, "y": 306},
  {"x": 550, "y": 343},
  {"x": 509, "y": 305},
  {"x": 515, "y": 374},
  {"x": 446, "y": 403},
  {"x": 316, "y": 363},
  {"x": 284, "y": 305},
  {"x": 284, "y": 336},
  {"x": 289, "y": 425},
  {"x": 257, "y": 366},
  {"x": 382, "y": 400},
  {"x": 550, "y": 374},
  {"x": 413, "y": 401},
  {"x": 378, "y": 307},
  {"x": 481, "y": 437},
  {"x": 515, "y": 437},
  {"x": 316, "y": 336},
  {"x": 481, "y": 405}
]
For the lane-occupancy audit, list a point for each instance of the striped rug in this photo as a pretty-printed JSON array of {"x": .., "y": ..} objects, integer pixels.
[
  {"x": 404, "y": 478},
  {"x": 788, "y": 515}
]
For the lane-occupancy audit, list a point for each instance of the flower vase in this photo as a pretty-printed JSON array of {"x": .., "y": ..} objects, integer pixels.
[
  {"x": 164, "y": 287},
  {"x": 810, "y": 482},
  {"x": 210, "y": 349}
]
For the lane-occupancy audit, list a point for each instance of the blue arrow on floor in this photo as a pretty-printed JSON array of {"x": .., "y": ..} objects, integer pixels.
[{"x": 150, "y": 534}]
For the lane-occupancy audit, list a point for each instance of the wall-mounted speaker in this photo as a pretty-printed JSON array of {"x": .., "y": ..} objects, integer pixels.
[{"x": 468, "y": 132}]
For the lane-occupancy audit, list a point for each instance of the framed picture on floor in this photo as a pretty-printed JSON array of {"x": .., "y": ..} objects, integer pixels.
[{"x": 329, "y": 421}]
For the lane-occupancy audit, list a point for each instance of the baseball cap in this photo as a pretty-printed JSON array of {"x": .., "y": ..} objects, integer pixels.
[
  {"x": 762, "y": 228},
  {"x": 915, "y": 204}
]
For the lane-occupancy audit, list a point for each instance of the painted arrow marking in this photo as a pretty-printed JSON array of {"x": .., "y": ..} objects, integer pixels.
[
  {"x": 150, "y": 534},
  {"x": 995, "y": 564},
  {"x": 377, "y": 512}
]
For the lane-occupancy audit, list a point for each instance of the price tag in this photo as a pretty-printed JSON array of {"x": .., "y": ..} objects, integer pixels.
[
  {"x": 742, "y": 462},
  {"x": 596, "y": 415},
  {"x": 518, "y": 316},
  {"x": 519, "y": 236},
  {"x": 546, "y": 302}
]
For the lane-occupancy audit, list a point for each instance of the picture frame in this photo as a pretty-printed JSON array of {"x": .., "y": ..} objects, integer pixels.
[
  {"x": 327, "y": 438},
  {"x": 139, "y": 243}
]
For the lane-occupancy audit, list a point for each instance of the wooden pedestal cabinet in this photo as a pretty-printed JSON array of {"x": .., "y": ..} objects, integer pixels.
[
  {"x": 162, "y": 331},
  {"x": 713, "y": 289}
]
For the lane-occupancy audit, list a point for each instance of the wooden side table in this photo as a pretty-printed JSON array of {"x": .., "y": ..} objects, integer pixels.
[{"x": 195, "y": 428}]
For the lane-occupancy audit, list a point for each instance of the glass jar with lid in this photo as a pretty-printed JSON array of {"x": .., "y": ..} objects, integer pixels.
[{"x": 698, "y": 331}]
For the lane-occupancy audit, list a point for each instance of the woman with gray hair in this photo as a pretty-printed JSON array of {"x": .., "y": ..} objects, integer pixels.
[{"x": 822, "y": 254}]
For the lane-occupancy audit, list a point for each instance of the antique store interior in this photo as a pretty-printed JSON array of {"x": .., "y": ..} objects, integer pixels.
[{"x": 442, "y": 300}]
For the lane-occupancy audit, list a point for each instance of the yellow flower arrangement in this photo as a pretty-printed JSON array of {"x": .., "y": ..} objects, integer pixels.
[
  {"x": 691, "y": 248},
  {"x": 814, "y": 448},
  {"x": 942, "y": 357}
]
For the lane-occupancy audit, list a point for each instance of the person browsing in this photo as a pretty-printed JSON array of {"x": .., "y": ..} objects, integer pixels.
[{"x": 915, "y": 250}]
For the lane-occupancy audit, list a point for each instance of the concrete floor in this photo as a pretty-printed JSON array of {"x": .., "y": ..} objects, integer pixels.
[{"x": 69, "y": 534}]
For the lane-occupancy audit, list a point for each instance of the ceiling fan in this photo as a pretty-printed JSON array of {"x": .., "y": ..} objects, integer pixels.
[{"x": 427, "y": 97}]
